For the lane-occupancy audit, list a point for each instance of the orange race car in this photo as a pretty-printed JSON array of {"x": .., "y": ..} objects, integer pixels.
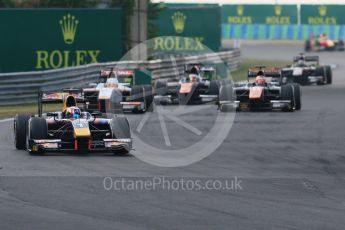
[
  {"x": 264, "y": 91},
  {"x": 323, "y": 43}
]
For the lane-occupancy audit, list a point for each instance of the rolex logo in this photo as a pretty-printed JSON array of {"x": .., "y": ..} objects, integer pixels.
[
  {"x": 178, "y": 20},
  {"x": 240, "y": 10},
  {"x": 68, "y": 26},
  {"x": 278, "y": 10},
  {"x": 322, "y": 10}
]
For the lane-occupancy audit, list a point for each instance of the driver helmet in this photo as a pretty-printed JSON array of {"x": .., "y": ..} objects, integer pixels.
[
  {"x": 193, "y": 77},
  {"x": 112, "y": 83},
  {"x": 195, "y": 70},
  {"x": 323, "y": 37},
  {"x": 300, "y": 62},
  {"x": 260, "y": 80},
  {"x": 72, "y": 112}
]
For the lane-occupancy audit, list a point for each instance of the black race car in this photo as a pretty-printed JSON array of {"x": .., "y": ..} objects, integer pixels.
[
  {"x": 71, "y": 130},
  {"x": 306, "y": 70}
]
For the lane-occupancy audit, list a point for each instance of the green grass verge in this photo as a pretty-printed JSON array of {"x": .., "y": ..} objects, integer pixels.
[
  {"x": 237, "y": 75},
  {"x": 12, "y": 110},
  {"x": 241, "y": 73}
]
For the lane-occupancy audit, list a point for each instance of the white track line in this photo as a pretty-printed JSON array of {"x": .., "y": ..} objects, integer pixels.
[{"x": 5, "y": 120}]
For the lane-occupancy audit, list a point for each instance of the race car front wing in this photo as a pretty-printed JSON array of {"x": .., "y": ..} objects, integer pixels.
[
  {"x": 104, "y": 145},
  {"x": 274, "y": 104}
]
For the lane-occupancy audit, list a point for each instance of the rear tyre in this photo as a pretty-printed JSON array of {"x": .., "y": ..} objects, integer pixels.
[
  {"x": 320, "y": 71},
  {"x": 226, "y": 95},
  {"x": 328, "y": 73},
  {"x": 297, "y": 96},
  {"x": 287, "y": 94},
  {"x": 120, "y": 130},
  {"x": 38, "y": 129},
  {"x": 137, "y": 94},
  {"x": 161, "y": 87},
  {"x": 307, "y": 45},
  {"x": 225, "y": 81},
  {"x": 148, "y": 98},
  {"x": 214, "y": 87},
  {"x": 114, "y": 106},
  {"x": 20, "y": 130}
]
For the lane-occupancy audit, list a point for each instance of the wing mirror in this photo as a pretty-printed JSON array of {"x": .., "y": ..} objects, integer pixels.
[
  {"x": 96, "y": 114},
  {"x": 55, "y": 115},
  {"x": 52, "y": 114}
]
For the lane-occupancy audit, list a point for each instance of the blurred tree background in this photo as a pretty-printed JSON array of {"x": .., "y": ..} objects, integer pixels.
[{"x": 153, "y": 14}]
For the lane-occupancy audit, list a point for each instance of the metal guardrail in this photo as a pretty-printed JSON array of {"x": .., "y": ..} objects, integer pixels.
[{"x": 22, "y": 87}]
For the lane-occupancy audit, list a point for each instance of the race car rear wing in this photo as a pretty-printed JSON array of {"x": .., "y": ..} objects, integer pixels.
[
  {"x": 207, "y": 71},
  {"x": 268, "y": 72},
  {"x": 307, "y": 59},
  {"x": 70, "y": 97},
  {"x": 104, "y": 73},
  {"x": 122, "y": 75},
  {"x": 201, "y": 66},
  {"x": 188, "y": 67},
  {"x": 127, "y": 76}
]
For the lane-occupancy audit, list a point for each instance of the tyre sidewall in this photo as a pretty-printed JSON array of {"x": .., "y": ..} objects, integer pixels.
[
  {"x": 21, "y": 122},
  {"x": 120, "y": 129},
  {"x": 37, "y": 130},
  {"x": 287, "y": 94}
]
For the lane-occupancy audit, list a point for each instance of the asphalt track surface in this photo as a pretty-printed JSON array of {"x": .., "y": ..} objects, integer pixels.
[{"x": 291, "y": 167}]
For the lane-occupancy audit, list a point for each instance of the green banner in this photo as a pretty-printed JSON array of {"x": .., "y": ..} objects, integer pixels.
[
  {"x": 259, "y": 14},
  {"x": 192, "y": 27},
  {"x": 55, "y": 38},
  {"x": 323, "y": 14}
]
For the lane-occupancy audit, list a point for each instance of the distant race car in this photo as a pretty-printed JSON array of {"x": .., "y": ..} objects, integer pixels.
[
  {"x": 265, "y": 93},
  {"x": 71, "y": 130},
  {"x": 322, "y": 43},
  {"x": 198, "y": 85},
  {"x": 306, "y": 70},
  {"x": 120, "y": 90}
]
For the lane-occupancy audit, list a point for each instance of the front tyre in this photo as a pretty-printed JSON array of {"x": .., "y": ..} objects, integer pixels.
[
  {"x": 288, "y": 95},
  {"x": 37, "y": 130},
  {"x": 20, "y": 130},
  {"x": 320, "y": 71},
  {"x": 120, "y": 130},
  {"x": 297, "y": 96}
]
